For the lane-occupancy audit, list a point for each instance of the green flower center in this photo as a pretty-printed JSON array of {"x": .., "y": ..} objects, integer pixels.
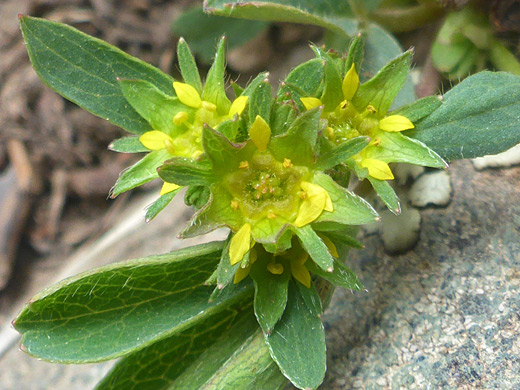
[
  {"x": 345, "y": 123},
  {"x": 265, "y": 187}
]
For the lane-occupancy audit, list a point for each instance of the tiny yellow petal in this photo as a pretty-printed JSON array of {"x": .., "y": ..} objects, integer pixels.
[
  {"x": 330, "y": 245},
  {"x": 275, "y": 268},
  {"x": 154, "y": 140},
  {"x": 187, "y": 94},
  {"x": 328, "y": 203},
  {"x": 241, "y": 274},
  {"x": 311, "y": 102},
  {"x": 260, "y": 133},
  {"x": 395, "y": 123},
  {"x": 377, "y": 169},
  {"x": 238, "y": 105},
  {"x": 243, "y": 165},
  {"x": 209, "y": 106},
  {"x": 240, "y": 244},
  {"x": 180, "y": 118},
  {"x": 313, "y": 204},
  {"x": 168, "y": 187},
  {"x": 300, "y": 273},
  {"x": 350, "y": 83}
]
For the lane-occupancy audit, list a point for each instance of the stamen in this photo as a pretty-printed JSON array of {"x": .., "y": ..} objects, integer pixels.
[
  {"x": 243, "y": 165},
  {"x": 234, "y": 204},
  {"x": 180, "y": 118},
  {"x": 209, "y": 106},
  {"x": 271, "y": 215},
  {"x": 287, "y": 163}
]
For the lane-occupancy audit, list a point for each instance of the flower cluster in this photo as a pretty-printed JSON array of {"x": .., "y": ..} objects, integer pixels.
[{"x": 260, "y": 165}]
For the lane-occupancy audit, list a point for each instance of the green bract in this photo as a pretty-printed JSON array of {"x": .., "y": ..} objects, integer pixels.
[{"x": 273, "y": 168}]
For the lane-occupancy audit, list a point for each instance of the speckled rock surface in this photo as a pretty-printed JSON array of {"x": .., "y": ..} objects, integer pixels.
[{"x": 445, "y": 315}]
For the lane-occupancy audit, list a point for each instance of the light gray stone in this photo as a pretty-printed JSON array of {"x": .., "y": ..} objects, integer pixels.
[{"x": 431, "y": 188}]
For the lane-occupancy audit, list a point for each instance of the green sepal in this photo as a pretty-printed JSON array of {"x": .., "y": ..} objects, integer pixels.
[
  {"x": 419, "y": 109},
  {"x": 156, "y": 367},
  {"x": 237, "y": 89},
  {"x": 382, "y": 89},
  {"x": 84, "y": 70},
  {"x": 158, "y": 205},
  {"x": 337, "y": 233},
  {"x": 297, "y": 343},
  {"x": 282, "y": 243},
  {"x": 214, "y": 91},
  {"x": 299, "y": 142},
  {"x": 356, "y": 54},
  {"x": 311, "y": 298},
  {"x": 224, "y": 155},
  {"x": 270, "y": 295},
  {"x": 229, "y": 129},
  {"x": 396, "y": 147},
  {"x": 342, "y": 276},
  {"x": 387, "y": 194},
  {"x": 223, "y": 275},
  {"x": 284, "y": 113},
  {"x": 187, "y": 172},
  {"x": 128, "y": 145},
  {"x": 122, "y": 308},
  {"x": 197, "y": 196},
  {"x": 315, "y": 247},
  {"x": 332, "y": 93},
  {"x": 349, "y": 209},
  {"x": 188, "y": 66},
  {"x": 304, "y": 80},
  {"x": 153, "y": 105},
  {"x": 260, "y": 102},
  {"x": 253, "y": 85},
  {"x": 216, "y": 213},
  {"x": 341, "y": 153},
  {"x": 140, "y": 173}
]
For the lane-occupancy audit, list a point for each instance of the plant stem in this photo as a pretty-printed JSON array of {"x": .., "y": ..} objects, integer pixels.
[{"x": 407, "y": 19}]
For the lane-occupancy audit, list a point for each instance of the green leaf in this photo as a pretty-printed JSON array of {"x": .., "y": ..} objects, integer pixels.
[
  {"x": 239, "y": 360},
  {"x": 214, "y": 91},
  {"x": 270, "y": 296},
  {"x": 349, "y": 209},
  {"x": 477, "y": 117},
  {"x": 297, "y": 344},
  {"x": 331, "y": 14},
  {"x": 283, "y": 115},
  {"x": 342, "y": 276},
  {"x": 299, "y": 142},
  {"x": 159, "y": 205},
  {"x": 203, "y": 31},
  {"x": 396, "y": 147},
  {"x": 121, "y": 308},
  {"x": 128, "y": 145},
  {"x": 382, "y": 89},
  {"x": 229, "y": 129},
  {"x": 420, "y": 108},
  {"x": 341, "y": 153},
  {"x": 333, "y": 93},
  {"x": 153, "y": 105},
  {"x": 156, "y": 367},
  {"x": 141, "y": 172},
  {"x": 260, "y": 102},
  {"x": 187, "y": 64},
  {"x": 387, "y": 194},
  {"x": 84, "y": 70},
  {"x": 315, "y": 247},
  {"x": 186, "y": 172}
]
